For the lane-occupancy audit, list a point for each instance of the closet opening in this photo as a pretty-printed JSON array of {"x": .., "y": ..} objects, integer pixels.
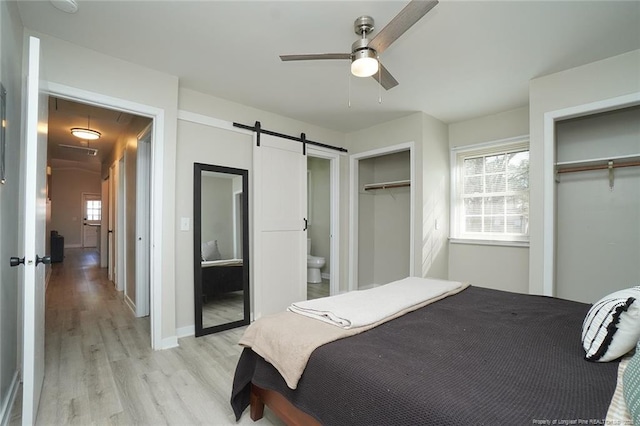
[
  {"x": 597, "y": 204},
  {"x": 382, "y": 216}
]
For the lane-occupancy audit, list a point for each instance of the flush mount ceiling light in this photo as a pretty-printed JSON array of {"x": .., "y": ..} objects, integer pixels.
[
  {"x": 86, "y": 133},
  {"x": 67, "y": 6}
]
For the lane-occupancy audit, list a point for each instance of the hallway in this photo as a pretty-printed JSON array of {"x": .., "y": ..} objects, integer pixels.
[{"x": 100, "y": 369}]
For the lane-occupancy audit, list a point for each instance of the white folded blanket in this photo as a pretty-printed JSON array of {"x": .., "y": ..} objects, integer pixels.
[
  {"x": 365, "y": 307},
  {"x": 287, "y": 340}
]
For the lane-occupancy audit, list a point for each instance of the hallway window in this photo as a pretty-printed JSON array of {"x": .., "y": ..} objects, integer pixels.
[{"x": 94, "y": 210}]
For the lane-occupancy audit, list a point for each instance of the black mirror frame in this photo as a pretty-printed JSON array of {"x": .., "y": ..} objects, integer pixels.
[{"x": 198, "y": 168}]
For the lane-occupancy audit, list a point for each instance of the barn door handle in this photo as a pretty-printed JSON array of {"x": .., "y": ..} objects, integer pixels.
[
  {"x": 44, "y": 259},
  {"x": 15, "y": 261},
  {"x": 306, "y": 224}
]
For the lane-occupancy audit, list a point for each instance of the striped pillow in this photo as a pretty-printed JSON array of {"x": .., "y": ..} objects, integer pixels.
[{"x": 612, "y": 326}]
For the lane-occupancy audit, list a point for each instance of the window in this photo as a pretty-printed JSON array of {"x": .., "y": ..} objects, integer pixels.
[
  {"x": 94, "y": 210},
  {"x": 491, "y": 192}
]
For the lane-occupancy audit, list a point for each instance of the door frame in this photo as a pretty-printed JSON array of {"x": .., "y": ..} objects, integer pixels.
[
  {"x": 157, "y": 190},
  {"x": 354, "y": 167},
  {"x": 334, "y": 227}
]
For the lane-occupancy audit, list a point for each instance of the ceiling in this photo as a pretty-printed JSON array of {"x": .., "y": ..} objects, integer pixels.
[
  {"x": 464, "y": 59},
  {"x": 64, "y": 115}
]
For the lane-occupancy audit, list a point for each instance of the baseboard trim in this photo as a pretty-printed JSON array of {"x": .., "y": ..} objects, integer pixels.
[
  {"x": 325, "y": 276},
  {"x": 187, "y": 331},
  {"x": 7, "y": 404},
  {"x": 130, "y": 304},
  {"x": 169, "y": 342}
]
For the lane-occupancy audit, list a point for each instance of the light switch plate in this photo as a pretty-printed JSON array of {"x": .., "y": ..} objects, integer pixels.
[{"x": 184, "y": 223}]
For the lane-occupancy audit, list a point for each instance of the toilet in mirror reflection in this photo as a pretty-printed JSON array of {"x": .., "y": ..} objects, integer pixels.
[{"x": 221, "y": 264}]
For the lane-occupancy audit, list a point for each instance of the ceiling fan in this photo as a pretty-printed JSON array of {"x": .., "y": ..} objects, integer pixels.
[{"x": 365, "y": 53}]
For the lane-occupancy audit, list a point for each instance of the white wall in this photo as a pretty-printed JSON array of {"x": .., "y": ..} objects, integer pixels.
[
  {"x": 210, "y": 145},
  {"x": 217, "y": 212},
  {"x": 498, "y": 267},
  {"x": 83, "y": 69},
  {"x": 10, "y": 222},
  {"x": 601, "y": 80},
  {"x": 431, "y": 163},
  {"x": 598, "y": 228},
  {"x": 67, "y": 210}
]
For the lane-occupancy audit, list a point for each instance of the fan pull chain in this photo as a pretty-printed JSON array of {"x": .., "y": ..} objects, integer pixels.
[
  {"x": 349, "y": 74},
  {"x": 379, "y": 85}
]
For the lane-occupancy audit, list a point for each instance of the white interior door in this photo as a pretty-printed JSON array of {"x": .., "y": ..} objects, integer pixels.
[
  {"x": 112, "y": 223},
  {"x": 92, "y": 214},
  {"x": 120, "y": 226},
  {"x": 34, "y": 199},
  {"x": 104, "y": 225},
  {"x": 143, "y": 206},
  {"x": 280, "y": 238}
]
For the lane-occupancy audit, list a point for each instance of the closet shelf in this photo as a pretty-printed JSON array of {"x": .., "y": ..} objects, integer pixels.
[
  {"x": 598, "y": 163},
  {"x": 387, "y": 185}
]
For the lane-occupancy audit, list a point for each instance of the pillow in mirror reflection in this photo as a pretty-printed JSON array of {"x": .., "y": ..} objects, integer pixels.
[{"x": 210, "y": 251}]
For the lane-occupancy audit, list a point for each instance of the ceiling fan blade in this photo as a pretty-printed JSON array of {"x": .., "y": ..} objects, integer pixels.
[
  {"x": 385, "y": 78},
  {"x": 404, "y": 20},
  {"x": 315, "y": 56}
]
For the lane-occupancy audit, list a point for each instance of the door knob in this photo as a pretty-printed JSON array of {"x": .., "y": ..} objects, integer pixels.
[
  {"x": 44, "y": 259},
  {"x": 15, "y": 261}
]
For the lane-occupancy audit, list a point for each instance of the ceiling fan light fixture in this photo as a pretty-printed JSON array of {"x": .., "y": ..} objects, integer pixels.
[
  {"x": 365, "y": 63},
  {"x": 86, "y": 134}
]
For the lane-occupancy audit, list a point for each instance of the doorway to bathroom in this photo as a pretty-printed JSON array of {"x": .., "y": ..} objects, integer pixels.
[{"x": 322, "y": 220}]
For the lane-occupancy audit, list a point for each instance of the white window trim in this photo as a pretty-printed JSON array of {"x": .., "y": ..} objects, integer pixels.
[{"x": 455, "y": 208}]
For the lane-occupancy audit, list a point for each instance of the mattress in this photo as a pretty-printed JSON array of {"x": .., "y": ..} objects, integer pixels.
[{"x": 479, "y": 357}]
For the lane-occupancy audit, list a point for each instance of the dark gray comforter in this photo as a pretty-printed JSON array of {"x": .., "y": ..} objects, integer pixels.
[{"x": 478, "y": 357}]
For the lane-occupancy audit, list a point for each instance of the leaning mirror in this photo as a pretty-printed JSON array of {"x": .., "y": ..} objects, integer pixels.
[{"x": 221, "y": 248}]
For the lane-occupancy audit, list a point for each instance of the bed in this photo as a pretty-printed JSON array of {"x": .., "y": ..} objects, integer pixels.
[
  {"x": 221, "y": 276},
  {"x": 478, "y": 357}
]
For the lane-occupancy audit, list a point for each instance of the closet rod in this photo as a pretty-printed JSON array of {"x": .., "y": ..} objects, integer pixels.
[
  {"x": 386, "y": 185},
  {"x": 259, "y": 129},
  {"x": 598, "y": 167}
]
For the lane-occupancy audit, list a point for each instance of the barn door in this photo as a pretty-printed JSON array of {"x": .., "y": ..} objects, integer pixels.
[{"x": 280, "y": 238}]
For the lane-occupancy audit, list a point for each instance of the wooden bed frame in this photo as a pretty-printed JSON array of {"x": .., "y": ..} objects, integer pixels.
[{"x": 285, "y": 410}]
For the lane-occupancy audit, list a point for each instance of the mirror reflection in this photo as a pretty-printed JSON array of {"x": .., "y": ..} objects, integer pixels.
[{"x": 221, "y": 246}]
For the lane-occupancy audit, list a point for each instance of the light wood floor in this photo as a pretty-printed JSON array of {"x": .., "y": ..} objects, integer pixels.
[
  {"x": 100, "y": 369},
  {"x": 223, "y": 308},
  {"x": 315, "y": 291}
]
